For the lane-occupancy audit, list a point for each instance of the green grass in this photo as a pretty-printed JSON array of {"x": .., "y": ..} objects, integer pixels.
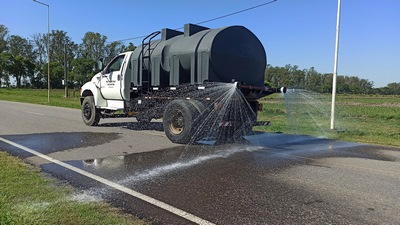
[
  {"x": 372, "y": 99},
  {"x": 39, "y": 96},
  {"x": 372, "y": 119},
  {"x": 28, "y": 198}
]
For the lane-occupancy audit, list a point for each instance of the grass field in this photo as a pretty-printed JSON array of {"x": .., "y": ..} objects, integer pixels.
[
  {"x": 369, "y": 119},
  {"x": 28, "y": 198},
  {"x": 39, "y": 96}
]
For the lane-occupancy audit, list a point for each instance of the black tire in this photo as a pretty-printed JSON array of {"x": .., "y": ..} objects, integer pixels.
[
  {"x": 178, "y": 121},
  {"x": 200, "y": 122},
  {"x": 90, "y": 115},
  {"x": 198, "y": 105}
]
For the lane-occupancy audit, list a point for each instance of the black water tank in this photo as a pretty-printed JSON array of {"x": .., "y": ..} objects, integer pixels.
[{"x": 200, "y": 54}]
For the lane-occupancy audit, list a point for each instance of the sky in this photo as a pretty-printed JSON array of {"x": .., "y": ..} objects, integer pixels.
[{"x": 296, "y": 32}]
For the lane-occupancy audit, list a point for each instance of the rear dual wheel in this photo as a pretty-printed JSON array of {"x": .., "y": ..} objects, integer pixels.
[
  {"x": 179, "y": 120},
  {"x": 185, "y": 123}
]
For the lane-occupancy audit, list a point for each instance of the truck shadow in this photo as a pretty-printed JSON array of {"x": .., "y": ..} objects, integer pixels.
[{"x": 156, "y": 126}]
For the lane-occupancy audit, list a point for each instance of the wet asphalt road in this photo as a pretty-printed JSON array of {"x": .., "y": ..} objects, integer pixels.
[{"x": 270, "y": 179}]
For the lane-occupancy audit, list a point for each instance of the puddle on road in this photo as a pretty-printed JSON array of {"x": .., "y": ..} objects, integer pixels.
[
  {"x": 134, "y": 168},
  {"x": 264, "y": 152},
  {"x": 47, "y": 143},
  {"x": 148, "y": 165},
  {"x": 138, "y": 167}
]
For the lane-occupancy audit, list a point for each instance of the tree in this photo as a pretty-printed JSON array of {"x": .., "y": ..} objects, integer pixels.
[
  {"x": 17, "y": 45},
  {"x": 20, "y": 67},
  {"x": 58, "y": 41},
  {"x": 40, "y": 44},
  {"x": 293, "y": 77},
  {"x": 327, "y": 83},
  {"x": 290, "y": 76},
  {"x": 130, "y": 47},
  {"x": 314, "y": 80},
  {"x": 275, "y": 76},
  {"x": 3, "y": 37},
  {"x": 82, "y": 70},
  {"x": 21, "y": 58},
  {"x": 93, "y": 46},
  {"x": 39, "y": 80},
  {"x": 366, "y": 86},
  {"x": 393, "y": 88},
  {"x": 5, "y": 65},
  {"x": 113, "y": 49},
  {"x": 56, "y": 74}
]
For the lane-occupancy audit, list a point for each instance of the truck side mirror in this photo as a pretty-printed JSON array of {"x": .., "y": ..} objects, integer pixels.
[{"x": 100, "y": 64}]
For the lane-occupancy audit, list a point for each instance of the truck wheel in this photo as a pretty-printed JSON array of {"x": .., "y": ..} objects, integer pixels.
[
  {"x": 90, "y": 115},
  {"x": 200, "y": 121},
  {"x": 178, "y": 119},
  {"x": 198, "y": 105}
]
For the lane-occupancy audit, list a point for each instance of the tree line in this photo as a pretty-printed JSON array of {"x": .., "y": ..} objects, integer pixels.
[
  {"x": 293, "y": 77},
  {"x": 25, "y": 60}
]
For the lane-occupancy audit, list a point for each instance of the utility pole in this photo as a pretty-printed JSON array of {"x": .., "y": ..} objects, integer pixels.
[
  {"x": 65, "y": 70},
  {"x": 335, "y": 68},
  {"x": 48, "y": 48}
]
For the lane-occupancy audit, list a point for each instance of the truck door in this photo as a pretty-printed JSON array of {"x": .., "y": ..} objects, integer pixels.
[{"x": 110, "y": 86}]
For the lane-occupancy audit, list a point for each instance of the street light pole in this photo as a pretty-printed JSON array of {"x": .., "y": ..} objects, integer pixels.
[
  {"x": 335, "y": 68},
  {"x": 48, "y": 48}
]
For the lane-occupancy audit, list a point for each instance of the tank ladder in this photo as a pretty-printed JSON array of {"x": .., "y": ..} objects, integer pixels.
[{"x": 145, "y": 72}]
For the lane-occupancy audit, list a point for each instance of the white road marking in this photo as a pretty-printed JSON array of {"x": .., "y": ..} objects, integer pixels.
[
  {"x": 39, "y": 114},
  {"x": 114, "y": 185}
]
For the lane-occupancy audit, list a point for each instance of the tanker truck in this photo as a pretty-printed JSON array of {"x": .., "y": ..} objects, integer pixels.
[{"x": 165, "y": 78}]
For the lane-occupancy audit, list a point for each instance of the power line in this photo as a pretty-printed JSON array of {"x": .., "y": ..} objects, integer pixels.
[
  {"x": 205, "y": 21},
  {"x": 240, "y": 11}
]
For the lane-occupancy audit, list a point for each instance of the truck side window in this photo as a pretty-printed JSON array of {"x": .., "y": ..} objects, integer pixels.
[{"x": 116, "y": 63}]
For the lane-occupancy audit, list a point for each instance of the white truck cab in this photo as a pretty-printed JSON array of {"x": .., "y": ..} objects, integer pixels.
[{"x": 111, "y": 87}]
